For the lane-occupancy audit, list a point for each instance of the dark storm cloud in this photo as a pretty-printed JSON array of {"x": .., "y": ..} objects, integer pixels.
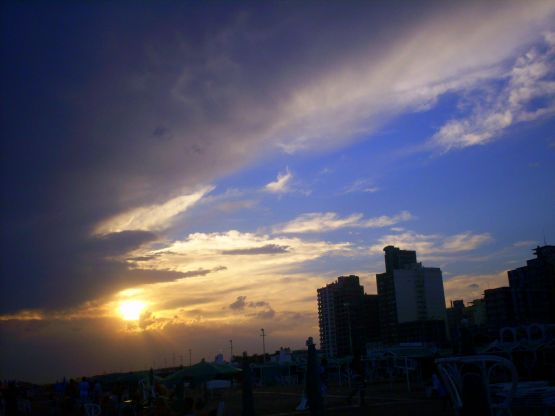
[
  {"x": 118, "y": 243},
  {"x": 267, "y": 249},
  {"x": 92, "y": 89},
  {"x": 117, "y": 106},
  {"x": 203, "y": 272},
  {"x": 241, "y": 303}
]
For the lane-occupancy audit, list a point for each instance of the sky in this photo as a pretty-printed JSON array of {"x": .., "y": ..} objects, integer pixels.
[{"x": 212, "y": 164}]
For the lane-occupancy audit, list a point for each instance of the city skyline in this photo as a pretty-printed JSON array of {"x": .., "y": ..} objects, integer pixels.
[{"x": 177, "y": 176}]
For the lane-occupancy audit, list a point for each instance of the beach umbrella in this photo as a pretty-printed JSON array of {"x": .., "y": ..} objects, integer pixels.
[{"x": 202, "y": 371}]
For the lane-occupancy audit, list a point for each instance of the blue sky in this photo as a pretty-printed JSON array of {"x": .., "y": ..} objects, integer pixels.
[{"x": 216, "y": 164}]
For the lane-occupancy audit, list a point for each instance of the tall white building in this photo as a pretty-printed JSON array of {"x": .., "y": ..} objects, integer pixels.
[
  {"x": 411, "y": 299},
  {"x": 419, "y": 293}
]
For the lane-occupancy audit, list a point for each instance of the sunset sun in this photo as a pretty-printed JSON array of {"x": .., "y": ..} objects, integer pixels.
[{"x": 130, "y": 310}]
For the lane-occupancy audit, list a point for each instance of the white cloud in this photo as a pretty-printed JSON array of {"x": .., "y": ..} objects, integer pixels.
[
  {"x": 361, "y": 185},
  {"x": 280, "y": 185},
  {"x": 212, "y": 250},
  {"x": 318, "y": 222},
  {"x": 385, "y": 221},
  {"x": 464, "y": 242},
  {"x": 433, "y": 243},
  {"x": 329, "y": 221},
  {"x": 442, "y": 55},
  {"x": 529, "y": 80},
  {"x": 153, "y": 217}
]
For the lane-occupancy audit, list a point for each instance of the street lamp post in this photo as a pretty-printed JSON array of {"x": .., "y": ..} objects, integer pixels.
[
  {"x": 189, "y": 357},
  {"x": 263, "y": 335},
  {"x": 231, "y": 350}
]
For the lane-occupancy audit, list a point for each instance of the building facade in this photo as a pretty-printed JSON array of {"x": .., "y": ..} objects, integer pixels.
[
  {"x": 411, "y": 299},
  {"x": 533, "y": 288},
  {"x": 395, "y": 259},
  {"x": 372, "y": 318},
  {"x": 341, "y": 317},
  {"x": 499, "y": 308}
]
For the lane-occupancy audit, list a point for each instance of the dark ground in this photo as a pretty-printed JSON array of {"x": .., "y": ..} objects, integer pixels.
[
  {"x": 380, "y": 399},
  {"x": 383, "y": 400}
]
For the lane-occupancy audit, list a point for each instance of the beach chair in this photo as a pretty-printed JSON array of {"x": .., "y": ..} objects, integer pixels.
[{"x": 494, "y": 377}]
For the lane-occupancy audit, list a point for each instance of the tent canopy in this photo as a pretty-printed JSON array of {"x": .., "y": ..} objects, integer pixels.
[{"x": 202, "y": 371}]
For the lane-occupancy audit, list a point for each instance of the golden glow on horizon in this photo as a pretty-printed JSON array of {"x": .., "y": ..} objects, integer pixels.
[{"x": 130, "y": 310}]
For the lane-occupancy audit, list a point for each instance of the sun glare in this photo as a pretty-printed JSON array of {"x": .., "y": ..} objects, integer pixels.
[{"x": 130, "y": 310}]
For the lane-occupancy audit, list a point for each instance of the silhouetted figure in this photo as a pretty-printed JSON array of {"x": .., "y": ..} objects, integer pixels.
[
  {"x": 357, "y": 378},
  {"x": 84, "y": 388},
  {"x": 97, "y": 391},
  {"x": 313, "y": 388},
  {"x": 247, "y": 398}
]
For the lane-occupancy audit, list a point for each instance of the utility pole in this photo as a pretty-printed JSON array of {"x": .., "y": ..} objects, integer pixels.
[
  {"x": 190, "y": 357},
  {"x": 263, "y": 335},
  {"x": 231, "y": 352}
]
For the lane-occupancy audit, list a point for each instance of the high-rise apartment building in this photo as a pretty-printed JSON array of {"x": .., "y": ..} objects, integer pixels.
[
  {"x": 499, "y": 308},
  {"x": 341, "y": 307},
  {"x": 533, "y": 288},
  {"x": 395, "y": 259},
  {"x": 411, "y": 299},
  {"x": 372, "y": 318}
]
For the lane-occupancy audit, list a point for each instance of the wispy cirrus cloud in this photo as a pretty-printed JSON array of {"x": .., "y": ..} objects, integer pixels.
[
  {"x": 281, "y": 184},
  {"x": 152, "y": 217},
  {"x": 349, "y": 100},
  {"x": 315, "y": 222},
  {"x": 386, "y": 221},
  {"x": 464, "y": 242},
  {"x": 361, "y": 185},
  {"x": 433, "y": 243},
  {"x": 527, "y": 93}
]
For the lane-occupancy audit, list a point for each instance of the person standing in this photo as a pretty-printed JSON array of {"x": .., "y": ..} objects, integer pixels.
[
  {"x": 84, "y": 387},
  {"x": 358, "y": 378}
]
